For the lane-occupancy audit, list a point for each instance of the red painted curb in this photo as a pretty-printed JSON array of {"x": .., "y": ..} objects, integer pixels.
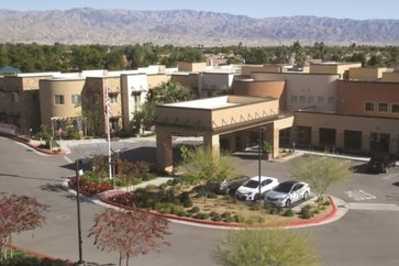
[
  {"x": 37, "y": 254},
  {"x": 297, "y": 222},
  {"x": 26, "y": 142}
]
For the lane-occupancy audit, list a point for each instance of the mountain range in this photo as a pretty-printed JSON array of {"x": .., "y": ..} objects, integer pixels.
[{"x": 187, "y": 27}]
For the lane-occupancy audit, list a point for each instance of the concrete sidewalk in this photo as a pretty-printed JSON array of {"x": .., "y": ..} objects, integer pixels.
[{"x": 154, "y": 182}]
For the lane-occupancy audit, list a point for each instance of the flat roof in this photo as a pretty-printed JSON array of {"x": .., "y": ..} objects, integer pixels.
[
  {"x": 219, "y": 102},
  {"x": 206, "y": 104},
  {"x": 335, "y": 63}
]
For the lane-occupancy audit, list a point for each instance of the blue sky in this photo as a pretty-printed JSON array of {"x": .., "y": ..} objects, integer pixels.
[{"x": 358, "y": 9}]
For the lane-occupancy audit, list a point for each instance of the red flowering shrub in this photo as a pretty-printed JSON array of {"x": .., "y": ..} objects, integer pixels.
[
  {"x": 89, "y": 187},
  {"x": 126, "y": 199}
]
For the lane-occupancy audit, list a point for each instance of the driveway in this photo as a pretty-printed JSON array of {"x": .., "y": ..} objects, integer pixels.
[{"x": 362, "y": 237}]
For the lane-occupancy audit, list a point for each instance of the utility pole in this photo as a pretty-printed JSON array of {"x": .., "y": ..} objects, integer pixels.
[
  {"x": 78, "y": 173},
  {"x": 260, "y": 153}
]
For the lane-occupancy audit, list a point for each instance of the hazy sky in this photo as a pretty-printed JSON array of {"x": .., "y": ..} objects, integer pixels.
[{"x": 358, "y": 9}]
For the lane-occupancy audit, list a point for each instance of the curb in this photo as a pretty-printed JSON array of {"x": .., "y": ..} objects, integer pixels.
[
  {"x": 26, "y": 142},
  {"x": 37, "y": 254},
  {"x": 295, "y": 224}
]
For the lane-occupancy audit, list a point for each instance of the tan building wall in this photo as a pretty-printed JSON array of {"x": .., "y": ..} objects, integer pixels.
[
  {"x": 52, "y": 88},
  {"x": 20, "y": 102},
  {"x": 342, "y": 123},
  {"x": 191, "y": 67},
  {"x": 189, "y": 80},
  {"x": 261, "y": 88},
  {"x": 93, "y": 97},
  {"x": 366, "y": 73},
  {"x": 333, "y": 68},
  {"x": 156, "y": 80},
  {"x": 306, "y": 91},
  {"x": 247, "y": 70},
  {"x": 353, "y": 96},
  {"x": 391, "y": 76}
]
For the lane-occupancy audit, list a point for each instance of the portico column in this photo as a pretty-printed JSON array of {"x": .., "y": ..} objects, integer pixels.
[
  {"x": 164, "y": 151},
  {"x": 212, "y": 143}
]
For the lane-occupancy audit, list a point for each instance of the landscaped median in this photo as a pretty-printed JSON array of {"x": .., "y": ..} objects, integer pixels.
[{"x": 181, "y": 202}]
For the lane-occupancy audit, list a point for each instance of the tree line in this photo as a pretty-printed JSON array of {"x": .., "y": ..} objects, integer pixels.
[{"x": 61, "y": 57}]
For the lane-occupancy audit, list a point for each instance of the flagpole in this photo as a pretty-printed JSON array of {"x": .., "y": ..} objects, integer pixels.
[{"x": 108, "y": 110}]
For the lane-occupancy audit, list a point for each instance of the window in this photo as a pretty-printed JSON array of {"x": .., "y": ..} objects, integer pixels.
[
  {"x": 266, "y": 182},
  {"x": 59, "y": 99},
  {"x": 369, "y": 107},
  {"x": 382, "y": 107},
  {"x": 320, "y": 99},
  {"x": 113, "y": 98},
  {"x": 302, "y": 99},
  {"x": 76, "y": 99},
  {"x": 137, "y": 100},
  {"x": 395, "y": 108},
  {"x": 331, "y": 100},
  {"x": 310, "y": 99},
  {"x": 294, "y": 99}
]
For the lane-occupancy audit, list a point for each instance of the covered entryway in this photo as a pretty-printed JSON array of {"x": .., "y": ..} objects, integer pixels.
[{"x": 327, "y": 137}]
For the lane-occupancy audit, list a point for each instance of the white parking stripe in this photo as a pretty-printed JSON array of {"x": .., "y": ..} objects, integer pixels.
[
  {"x": 359, "y": 195},
  {"x": 373, "y": 206}
]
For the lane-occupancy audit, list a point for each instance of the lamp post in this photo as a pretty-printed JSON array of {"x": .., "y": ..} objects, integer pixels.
[
  {"x": 260, "y": 153},
  {"x": 79, "y": 172}
]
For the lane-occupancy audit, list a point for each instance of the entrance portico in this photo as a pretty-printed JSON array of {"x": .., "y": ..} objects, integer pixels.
[{"x": 228, "y": 116}]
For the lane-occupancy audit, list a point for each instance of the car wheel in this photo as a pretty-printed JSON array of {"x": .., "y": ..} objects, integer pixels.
[
  {"x": 288, "y": 204},
  {"x": 306, "y": 195}
]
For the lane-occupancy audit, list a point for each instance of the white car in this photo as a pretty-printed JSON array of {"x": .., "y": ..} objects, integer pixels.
[
  {"x": 250, "y": 189},
  {"x": 287, "y": 193}
]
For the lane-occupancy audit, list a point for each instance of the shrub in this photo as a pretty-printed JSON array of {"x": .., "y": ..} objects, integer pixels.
[
  {"x": 238, "y": 219},
  {"x": 216, "y": 218},
  {"x": 194, "y": 209},
  {"x": 306, "y": 212},
  {"x": 226, "y": 215},
  {"x": 126, "y": 199},
  {"x": 289, "y": 213},
  {"x": 228, "y": 219},
  {"x": 202, "y": 216},
  {"x": 185, "y": 200},
  {"x": 89, "y": 187}
]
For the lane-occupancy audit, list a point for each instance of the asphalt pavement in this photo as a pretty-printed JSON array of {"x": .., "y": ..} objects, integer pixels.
[{"x": 361, "y": 238}]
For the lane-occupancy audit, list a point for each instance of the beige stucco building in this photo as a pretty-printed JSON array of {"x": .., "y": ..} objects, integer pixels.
[
  {"x": 60, "y": 100},
  {"x": 367, "y": 73},
  {"x": 341, "y": 69},
  {"x": 305, "y": 90},
  {"x": 19, "y": 100},
  {"x": 230, "y": 118}
]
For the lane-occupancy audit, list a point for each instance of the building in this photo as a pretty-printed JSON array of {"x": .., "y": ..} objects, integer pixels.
[
  {"x": 215, "y": 82},
  {"x": 247, "y": 70},
  {"x": 135, "y": 88},
  {"x": 305, "y": 90},
  {"x": 19, "y": 100},
  {"x": 191, "y": 66},
  {"x": 333, "y": 68},
  {"x": 367, "y": 73},
  {"x": 229, "y": 120},
  {"x": 61, "y": 103}
]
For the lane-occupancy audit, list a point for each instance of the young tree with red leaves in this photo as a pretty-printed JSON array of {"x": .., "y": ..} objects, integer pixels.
[
  {"x": 18, "y": 214},
  {"x": 129, "y": 233}
]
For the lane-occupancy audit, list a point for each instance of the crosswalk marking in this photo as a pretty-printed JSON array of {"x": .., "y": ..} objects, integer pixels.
[
  {"x": 372, "y": 206},
  {"x": 359, "y": 195}
]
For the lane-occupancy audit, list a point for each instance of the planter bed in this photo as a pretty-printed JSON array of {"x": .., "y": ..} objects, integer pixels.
[{"x": 217, "y": 210}]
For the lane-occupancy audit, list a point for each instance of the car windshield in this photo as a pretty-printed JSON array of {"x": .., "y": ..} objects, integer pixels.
[
  {"x": 284, "y": 187},
  {"x": 251, "y": 184}
]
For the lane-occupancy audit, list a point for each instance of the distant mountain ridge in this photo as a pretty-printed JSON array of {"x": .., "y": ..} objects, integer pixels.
[{"x": 187, "y": 27}]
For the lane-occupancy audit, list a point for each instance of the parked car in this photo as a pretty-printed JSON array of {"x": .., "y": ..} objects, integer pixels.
[
  {"x": 287, "y": 193},
  {"x": 380, "y": 162},
  {"x": 231, "y": 186},
  {"x": 250, "y": 189}
]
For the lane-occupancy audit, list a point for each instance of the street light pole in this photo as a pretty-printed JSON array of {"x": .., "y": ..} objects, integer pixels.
[
  {"x": 78, "y": 172},
  {"x": 260, "y": 153}
]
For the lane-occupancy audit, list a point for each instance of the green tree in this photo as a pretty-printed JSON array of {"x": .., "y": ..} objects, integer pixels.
[
  {"x": 299, "y": 52},
  {"x": 320, "y": 172},
  {"x": 265, "y": 248},
  {"x": 169, "y": 92},
  {"x": 202, "y": 164}
]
